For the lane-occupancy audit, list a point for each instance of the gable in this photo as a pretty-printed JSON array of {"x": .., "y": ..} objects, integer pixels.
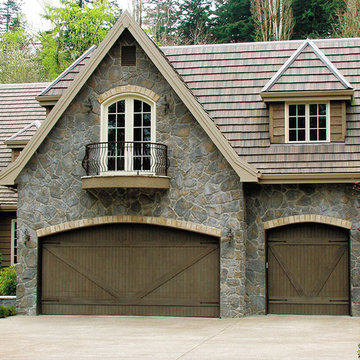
[{"x": 243, "y": 169}]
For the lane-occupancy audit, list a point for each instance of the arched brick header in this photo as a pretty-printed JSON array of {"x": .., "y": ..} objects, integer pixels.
[
  {"x": 178, "y": 224},
  {"x": 128, "y": 89},
  {"x": 307, "y": 218}
]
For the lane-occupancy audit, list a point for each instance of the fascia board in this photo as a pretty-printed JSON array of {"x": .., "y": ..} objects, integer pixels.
[{"x": 340, "y": 178}]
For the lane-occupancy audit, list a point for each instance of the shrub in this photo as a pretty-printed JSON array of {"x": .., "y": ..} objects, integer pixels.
[
  {"x": 0, "y": 259},
  {"x": 8, "y": 281},
  {"x": 7, "y": 311}
]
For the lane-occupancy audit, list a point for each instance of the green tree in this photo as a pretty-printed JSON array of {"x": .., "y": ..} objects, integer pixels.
[
  {"x": 195, "y": 22},
  {"x": 161, "y": 17},
  {"x": 10, "y": 14},
  {"x": 315, "y": 18},
  {"x": 348, "y": 20},
  {"x": 18, "y": 58},
  {"x": 233, "y": 21},
  {"x": 76, "y": 26}
]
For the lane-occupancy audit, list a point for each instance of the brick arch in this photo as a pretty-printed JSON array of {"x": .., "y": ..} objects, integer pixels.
[
  {"x": 178, "y": 224},
  {"x": 307, "y": 218},
  {"x": 128, "y": 89}
]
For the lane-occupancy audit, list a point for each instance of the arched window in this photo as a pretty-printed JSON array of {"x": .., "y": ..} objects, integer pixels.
[{"x": 128, "y": 128}]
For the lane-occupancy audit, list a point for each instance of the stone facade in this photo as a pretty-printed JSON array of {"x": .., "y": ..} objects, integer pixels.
[
  {"x": 270, "y": 202},
  {"x": 204, "y": 188}
]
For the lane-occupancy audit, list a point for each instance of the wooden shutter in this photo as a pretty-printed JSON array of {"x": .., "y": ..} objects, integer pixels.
[
  {"x": 337, "y": 121},
  {"x": 277, "y": 123}
]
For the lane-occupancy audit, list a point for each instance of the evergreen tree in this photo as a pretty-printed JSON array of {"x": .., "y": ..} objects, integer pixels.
[
  {"x": 233, "y": 21},
  {"x": 195, "y": 22},
  {"x": 315, "y": 18},
  {"x": 10, "y": 13}
]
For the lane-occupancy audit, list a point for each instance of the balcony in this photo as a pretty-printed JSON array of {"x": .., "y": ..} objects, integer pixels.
[{"x": 125, "y": 165}]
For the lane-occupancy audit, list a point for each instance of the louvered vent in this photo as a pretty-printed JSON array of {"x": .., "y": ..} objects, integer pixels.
[{"x": 128, "y": 55}]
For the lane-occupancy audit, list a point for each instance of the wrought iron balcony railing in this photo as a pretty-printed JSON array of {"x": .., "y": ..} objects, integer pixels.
[{"x": 127, "y": 157}]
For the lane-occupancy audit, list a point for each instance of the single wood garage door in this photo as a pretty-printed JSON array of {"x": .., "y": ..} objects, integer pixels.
[
  {"x": 308, "y": 270},
  {"x": 130, "y": 269}
]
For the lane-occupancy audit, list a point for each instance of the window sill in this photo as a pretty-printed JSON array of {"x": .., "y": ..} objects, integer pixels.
[{"x": 125, "y": 181}]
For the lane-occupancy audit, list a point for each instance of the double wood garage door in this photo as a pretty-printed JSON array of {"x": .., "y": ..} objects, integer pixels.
[
  {"x": 308, "y": 270},
  {"x": 130, "y": 269}
]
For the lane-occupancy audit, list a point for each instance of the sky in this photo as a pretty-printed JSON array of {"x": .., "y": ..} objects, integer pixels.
[{"x": 34, "y": 8}]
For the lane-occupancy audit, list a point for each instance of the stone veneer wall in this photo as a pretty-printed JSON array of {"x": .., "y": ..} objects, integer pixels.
[
  {"x": 268, "y": 202},
  {"x": 204, "y": 189}
]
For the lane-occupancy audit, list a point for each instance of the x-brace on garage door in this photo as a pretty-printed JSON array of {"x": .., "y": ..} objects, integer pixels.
[{"x": 130, "y": 269}]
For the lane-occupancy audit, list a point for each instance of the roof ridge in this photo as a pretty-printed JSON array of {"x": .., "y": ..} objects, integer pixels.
[{"x": 322, "y": 57}]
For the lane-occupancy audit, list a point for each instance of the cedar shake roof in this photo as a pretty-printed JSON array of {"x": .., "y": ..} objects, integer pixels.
[
  {"x": 18, "y": 109},
  {"x": 228, "y": 80},
  {"x": 61, "y": 83}
]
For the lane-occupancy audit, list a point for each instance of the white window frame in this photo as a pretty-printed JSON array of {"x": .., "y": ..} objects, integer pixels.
[
  {"x": 307, "y": 121},
  {"x": 14, "y": 242},
  {"x": 129, "y": 112}
]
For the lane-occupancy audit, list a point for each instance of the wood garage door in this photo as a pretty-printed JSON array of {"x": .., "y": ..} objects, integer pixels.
[
  {"x": 128, "y": 269},
  {"x": 308, "y": 270}
]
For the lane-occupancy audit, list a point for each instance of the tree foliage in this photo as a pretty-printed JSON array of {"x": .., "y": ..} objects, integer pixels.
[
  {"x": 18, "y": 58},
  {"x": 233, "y": 21},
  {"x": 76, "y": 26},
  {"x": 273, "y": 19},
  {"x": 349, "y": 24},
  {"x": 10, "y": 14},
  {"x": 315, "y": 18},
  {"x": 161, "y": 18},
  {"x": 195, "y": 18}
]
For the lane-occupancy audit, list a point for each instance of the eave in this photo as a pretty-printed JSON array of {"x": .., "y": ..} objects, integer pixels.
[
  {"x": 47, "y": 100},
  {"x": 337, "y": 178},
  {"x": 345, "y": 95}
]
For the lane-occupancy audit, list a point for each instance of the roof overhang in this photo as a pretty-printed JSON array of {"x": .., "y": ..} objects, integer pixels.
[
  {"x": 246, "y": 171},
  {"x": 47, "y": 100},
  {"x": 346, "y": 95},
  {"x": 309, "y": 178},
  {"x": 7, "y": 207},
  {"x": 15, "y": 144}
]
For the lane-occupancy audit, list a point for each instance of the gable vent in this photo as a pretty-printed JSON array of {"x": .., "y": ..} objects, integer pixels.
[{"x": 128, "y": 56}]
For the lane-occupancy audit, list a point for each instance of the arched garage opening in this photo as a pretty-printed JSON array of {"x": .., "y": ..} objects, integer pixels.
[
  {"x": 308, "y": 269},
  {"x": 129, "y": 269}
]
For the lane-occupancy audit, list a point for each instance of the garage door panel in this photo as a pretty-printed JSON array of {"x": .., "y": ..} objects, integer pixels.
[
  {"x": 308, "y": 270},
  {"x": 118, "y": 271}
]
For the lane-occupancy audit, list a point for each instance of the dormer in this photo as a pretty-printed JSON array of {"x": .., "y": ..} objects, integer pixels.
[{"x": 307, "y": 99}]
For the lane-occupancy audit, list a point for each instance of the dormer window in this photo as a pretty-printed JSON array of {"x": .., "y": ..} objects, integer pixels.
[{"x": 307, "y": 122}]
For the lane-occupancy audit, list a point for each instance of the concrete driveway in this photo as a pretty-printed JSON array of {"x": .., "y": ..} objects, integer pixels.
[{"x": 110, "y": 337}]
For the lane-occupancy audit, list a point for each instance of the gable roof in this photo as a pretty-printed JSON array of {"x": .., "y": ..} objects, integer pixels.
[
  {"x": 309, "y": 62},
  {"x": 244, "y": 170},
  {"x": 18, "y": 109}
]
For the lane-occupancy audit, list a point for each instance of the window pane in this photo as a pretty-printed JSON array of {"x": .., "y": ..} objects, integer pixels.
[
  {"x": 112, "y": 109},
  {"x": 322, "y": 134},
  {"x": 120, "y": 135},
  {"x": 322, "y": 109},
  {"x": 146, "y": 163},
  {"x": 146, "y": 134},
  {"x": 301, "y": 109},
  {"x": 137, "y": 163},
  {"x": 313, "y": 109},
  {"x": 301, "y": 135},
  {"x": 137, "y": 119},
  {"x": 121, "y": 106},
  {"x": 313, "y": 135},
  {"x": 111, "y": 163},
  {"x": 112, "y": 121},
  {"x": 292, "y": 110},
  {"x": 147, "y": 119},
  {"x": 147, "y": 107},
  {"x": 301, "y": 123},
  {"x": 292, "y": 123},
  {"x": 121, "y": 120},
  {"x": 322, "y": 122},
  {"x": 292, "y": 135},
  {"x": 120, "y": 163},
  {"x": 137, "y": 105},
  {"x": 137, "y": 134},
  {"x": 111, "y": 135},
  {"x": 313, "y": 122}
]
